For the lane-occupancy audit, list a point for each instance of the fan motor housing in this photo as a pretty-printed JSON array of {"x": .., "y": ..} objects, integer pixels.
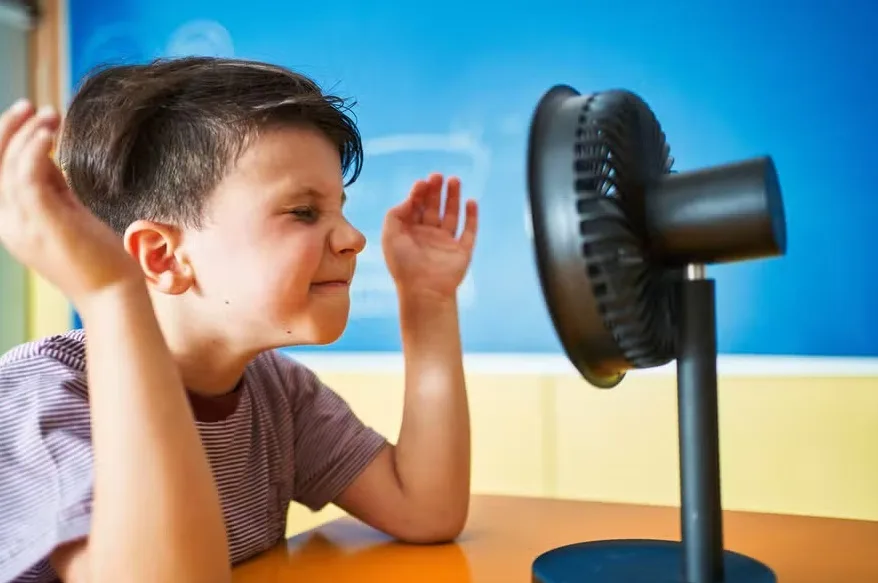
[{"x": 727, "y": 213}]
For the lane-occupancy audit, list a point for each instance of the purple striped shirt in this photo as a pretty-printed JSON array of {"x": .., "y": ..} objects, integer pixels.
[{"x": 282, "y": 436}]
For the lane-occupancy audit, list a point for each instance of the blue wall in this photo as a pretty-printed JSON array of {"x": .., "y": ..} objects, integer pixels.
[{"x": 450, "y": 86}]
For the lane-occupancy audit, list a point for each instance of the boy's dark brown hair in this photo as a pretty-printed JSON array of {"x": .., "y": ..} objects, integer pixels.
[{"x": 151, "y": 141}]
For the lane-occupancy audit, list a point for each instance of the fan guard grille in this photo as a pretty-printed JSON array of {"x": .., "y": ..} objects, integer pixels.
[{"x": 619, "y": 150}]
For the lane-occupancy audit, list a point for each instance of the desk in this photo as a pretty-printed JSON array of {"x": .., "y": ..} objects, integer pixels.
[{"x": 505, "y": 534}]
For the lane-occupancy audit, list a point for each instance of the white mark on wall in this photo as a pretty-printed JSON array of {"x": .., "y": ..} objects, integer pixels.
[
  {"x": 392, "y": 164},
  {"x": 476, "y": 154},
  {"x": 124, "y": 42},
  {"x": 204, "y": 38}
]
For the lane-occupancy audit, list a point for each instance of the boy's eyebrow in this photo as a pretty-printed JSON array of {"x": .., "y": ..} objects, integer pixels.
[{"x": 315, "y": 194}]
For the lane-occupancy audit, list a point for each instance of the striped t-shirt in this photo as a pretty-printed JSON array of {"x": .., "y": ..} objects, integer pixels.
[{"x": 280, "y": 436}]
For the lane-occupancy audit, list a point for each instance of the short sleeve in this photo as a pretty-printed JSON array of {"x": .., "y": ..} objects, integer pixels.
[
  {"x": 332, "y": 446},
  {"x": 45, "y": 461}
]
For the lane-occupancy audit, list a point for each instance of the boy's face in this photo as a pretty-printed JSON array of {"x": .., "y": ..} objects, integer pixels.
[{"x": 274, "y": 260}]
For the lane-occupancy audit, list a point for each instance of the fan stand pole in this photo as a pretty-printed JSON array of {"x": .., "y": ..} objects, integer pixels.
[
  {"x": 700, "y": 556},
  {"x": 700, "y": 494}
]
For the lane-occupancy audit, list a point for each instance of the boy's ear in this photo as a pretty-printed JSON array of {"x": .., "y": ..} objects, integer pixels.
[{"x": 156, "y": 247}]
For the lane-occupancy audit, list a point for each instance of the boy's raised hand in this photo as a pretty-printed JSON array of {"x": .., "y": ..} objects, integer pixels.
[
  {"x": 42, "y": 223},
  {"x": 426, "y": 248}
]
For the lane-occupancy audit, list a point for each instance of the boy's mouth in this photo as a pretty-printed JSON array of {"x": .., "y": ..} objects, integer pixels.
[{"x": 328, "y": 284}]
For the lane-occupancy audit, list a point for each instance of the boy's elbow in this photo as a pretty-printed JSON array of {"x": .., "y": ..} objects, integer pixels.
[
  {"x": 210, "y": 574},
  {"x": 435, "y": 528},
  {"x": 429, "y": 536},
  {"x": 446, "y": 534}
]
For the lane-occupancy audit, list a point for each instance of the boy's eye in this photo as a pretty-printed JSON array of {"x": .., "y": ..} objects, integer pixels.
[{"x": 305, "y": 213}]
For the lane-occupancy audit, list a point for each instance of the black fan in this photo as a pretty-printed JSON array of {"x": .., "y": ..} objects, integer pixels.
[{"x": 621, "y": 244}]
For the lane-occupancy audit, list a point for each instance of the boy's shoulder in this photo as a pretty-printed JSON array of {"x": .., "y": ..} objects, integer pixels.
[
  {"x": 45, "y": 381},
  {"x": 67, "y": 348},
  {"x": 45, "y": 452},
  {"x": 43, "y": 367}
]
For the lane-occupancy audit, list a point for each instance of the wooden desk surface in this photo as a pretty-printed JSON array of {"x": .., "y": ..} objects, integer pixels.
[{"x": 505, "y": 534}]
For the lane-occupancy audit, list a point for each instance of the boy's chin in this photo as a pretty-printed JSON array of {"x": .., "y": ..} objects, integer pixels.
[
  {"x": 323, "y": 340},
  {"x": 321, "y": 334}
]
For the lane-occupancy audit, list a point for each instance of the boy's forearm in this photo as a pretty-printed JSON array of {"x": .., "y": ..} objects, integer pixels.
[
  {"x": 156, "y": 511},
  {"x": 433, "y": 450}
]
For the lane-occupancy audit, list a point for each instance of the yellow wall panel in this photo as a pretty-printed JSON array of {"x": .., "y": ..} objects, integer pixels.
[
  {"x": 509, "y": 436},
  {"x": 801, "y": 445},
  {"x": 508, "y": 423},
  {"x": 789, "y": 445},
  {"x": 377, "y": 398},
  {"x": 300, "y": 518},
  {"x": 620, "y": 444}
]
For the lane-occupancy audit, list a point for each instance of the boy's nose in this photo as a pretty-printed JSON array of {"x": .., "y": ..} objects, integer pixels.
[{"x": 346, "y": 239}]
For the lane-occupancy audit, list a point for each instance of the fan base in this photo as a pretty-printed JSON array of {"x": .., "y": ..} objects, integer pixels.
[{"x": 635, "y": 561}]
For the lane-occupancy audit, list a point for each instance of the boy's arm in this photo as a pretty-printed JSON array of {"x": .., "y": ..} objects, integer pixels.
[
  {"x": 156, "y": 513},
  {"x": 418, "y": 491}
]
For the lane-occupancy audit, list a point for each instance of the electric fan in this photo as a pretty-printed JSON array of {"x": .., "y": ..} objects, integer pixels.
[{"x": 621, "y": 243}]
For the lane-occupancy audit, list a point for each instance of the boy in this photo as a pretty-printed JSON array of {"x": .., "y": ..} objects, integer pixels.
[{"x": 175, "y": 452}]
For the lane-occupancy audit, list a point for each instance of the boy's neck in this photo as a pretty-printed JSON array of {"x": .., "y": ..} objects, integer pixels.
[
  {"x": 208, "y": 372},
  {"x": 209, "y": 365}
]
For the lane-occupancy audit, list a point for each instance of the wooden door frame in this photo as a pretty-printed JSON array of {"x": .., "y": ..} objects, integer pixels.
[{"x": 49, "y": 312}]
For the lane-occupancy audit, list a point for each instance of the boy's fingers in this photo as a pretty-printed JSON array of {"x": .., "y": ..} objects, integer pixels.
[
  {"x": 418, "y": 198},
  {"x": 470, "y": 226},
  {"x": 35, "y": 157},
  {"x": 46, "y": 117},
  {"x": 11, "y": 120},
  {"x": 433, "y": 200},
  {"x": 451, "y": 218},
  {"x": 407, "y": 209}
]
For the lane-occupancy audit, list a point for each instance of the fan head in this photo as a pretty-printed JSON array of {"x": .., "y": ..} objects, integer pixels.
[{"x": 614, "y": 228}]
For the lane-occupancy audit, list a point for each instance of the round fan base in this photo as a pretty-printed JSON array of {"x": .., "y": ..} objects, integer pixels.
[{"x": 635, "y": 561}]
